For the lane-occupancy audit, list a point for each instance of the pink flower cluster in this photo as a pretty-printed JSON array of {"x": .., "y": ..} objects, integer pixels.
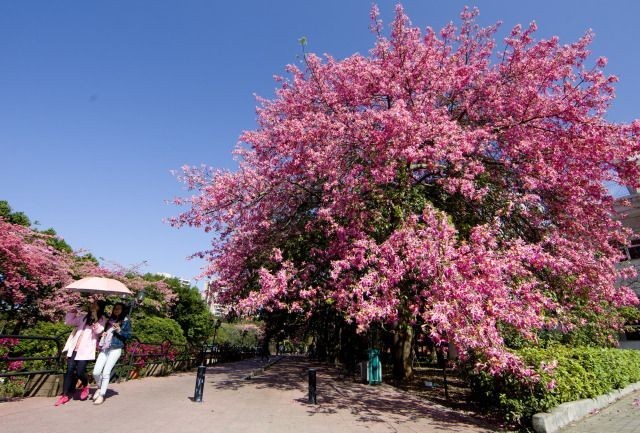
[
  {"x": 143, "y": 353},
  {"x": 14, "y": 365},
  {"x": 5, "y": 347},
  {"x": 31, "y": 268},
  {"x": 8, "y": 342}
]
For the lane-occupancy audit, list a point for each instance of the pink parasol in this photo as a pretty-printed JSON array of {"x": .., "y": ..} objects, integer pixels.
[{"x": 99, "y": 285}]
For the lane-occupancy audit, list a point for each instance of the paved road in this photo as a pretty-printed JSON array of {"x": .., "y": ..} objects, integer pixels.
[
  {"x": 275, "y": 401},
  {"x": 621, "y": 417}
]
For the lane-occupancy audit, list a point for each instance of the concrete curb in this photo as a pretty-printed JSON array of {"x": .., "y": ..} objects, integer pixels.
[
  {"x": 562, "y": 415},
  {"x": 257, "y": 371}
]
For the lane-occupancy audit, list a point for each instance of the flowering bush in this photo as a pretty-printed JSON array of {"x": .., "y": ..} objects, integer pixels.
[
  {"x": 15, "y": 365},
  {"x": 145, "y": 353},
  {"x": 6, "y": 344},
  {"x": 6, "y": 347},
  {"x": 10, "y": 386}
]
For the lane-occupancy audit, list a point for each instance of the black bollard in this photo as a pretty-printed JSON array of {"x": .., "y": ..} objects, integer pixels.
[
  {"x": 197, "y": 395},
  {"x": 312, "y": 386}
]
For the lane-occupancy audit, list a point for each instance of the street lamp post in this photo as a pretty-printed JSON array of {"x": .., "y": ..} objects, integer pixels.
[
  {"x": 216, "y": 326},
  {"x": 136, "y": 301},
  {"x": 202, "y": 369}
]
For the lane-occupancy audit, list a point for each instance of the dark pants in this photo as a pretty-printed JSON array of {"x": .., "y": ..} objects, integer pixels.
[{"x": 80, "y": 369}]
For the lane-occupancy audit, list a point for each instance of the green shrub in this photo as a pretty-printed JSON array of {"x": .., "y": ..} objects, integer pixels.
[
  {"x": 50, "y": 329},
  {"x": 191, "y": 312},
  {"x": 42, "y": 348},
  {"x": 238, "y": 334},
  {"x": 11, "y": 387},
  {"x": 157, "y": 329},
  {"x": 582, "y": 372}
]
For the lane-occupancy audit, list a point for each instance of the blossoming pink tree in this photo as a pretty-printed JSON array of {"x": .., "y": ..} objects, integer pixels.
[
  {"x": 160, "y": 297},
  {"x": 439, "y": 181},
  {"x": 33, "y": 274}
]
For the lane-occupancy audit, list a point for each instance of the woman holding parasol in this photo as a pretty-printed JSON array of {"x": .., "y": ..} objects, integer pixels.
[
  {"x": 81, "y": 344},
  {"x": 81, "y": 348}
]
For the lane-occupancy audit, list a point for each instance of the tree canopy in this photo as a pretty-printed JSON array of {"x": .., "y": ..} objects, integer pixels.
[
  {"x": 437, "y": 181},
  {"x": 189, "y": 309}
]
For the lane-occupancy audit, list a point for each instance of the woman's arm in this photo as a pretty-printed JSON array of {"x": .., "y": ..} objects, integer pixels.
[
  {"x": 98, "y": 327},
  {"x": 125, "y": 331}
]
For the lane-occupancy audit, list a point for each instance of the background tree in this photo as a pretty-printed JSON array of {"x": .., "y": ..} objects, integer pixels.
[
  {"x": 190, "y": 310},
  {"x": 12, "y": 217}
]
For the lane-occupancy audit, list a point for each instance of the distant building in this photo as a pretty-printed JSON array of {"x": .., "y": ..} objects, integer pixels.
[
  {"x": 183, "y": 281},
  {"x": 628, "y": 205},
  {"x": 213, "y": 301}
]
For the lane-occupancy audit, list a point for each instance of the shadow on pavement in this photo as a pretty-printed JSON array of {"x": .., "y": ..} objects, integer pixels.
[{"x": 369, "y": 404}]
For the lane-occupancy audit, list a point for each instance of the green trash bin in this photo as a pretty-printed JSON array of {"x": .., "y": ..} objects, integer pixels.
[{"x": 374, "y": 367}]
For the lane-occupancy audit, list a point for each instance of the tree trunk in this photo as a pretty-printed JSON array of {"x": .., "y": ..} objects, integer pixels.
[{"x": 402, "y": 340}]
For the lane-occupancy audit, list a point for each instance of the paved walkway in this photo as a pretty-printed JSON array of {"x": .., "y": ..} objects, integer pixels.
[
  {"x": 275, "y": 401},
  {"x": 621, "y": 417}
]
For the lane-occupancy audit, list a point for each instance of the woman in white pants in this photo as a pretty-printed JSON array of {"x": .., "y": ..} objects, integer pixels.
[{"x": 117, "y": 331}]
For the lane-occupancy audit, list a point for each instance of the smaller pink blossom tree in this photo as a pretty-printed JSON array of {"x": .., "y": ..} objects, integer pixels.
[
  {"x": 34, "y": 269},
  {"x": 32, "y": 273}
]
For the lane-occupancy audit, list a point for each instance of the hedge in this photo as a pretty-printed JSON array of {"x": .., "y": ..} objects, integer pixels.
[
  {"x": 151, "y": 329},
  {"x": 563, "y": 374}
]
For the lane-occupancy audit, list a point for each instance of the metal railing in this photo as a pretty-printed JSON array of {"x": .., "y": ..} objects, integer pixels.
[
  {"x": 51, "y": 362},
  {"x": 30, "y": 367}
]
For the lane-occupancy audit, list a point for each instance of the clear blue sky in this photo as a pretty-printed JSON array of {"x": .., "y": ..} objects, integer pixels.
[{"x": 100, "y": 100}]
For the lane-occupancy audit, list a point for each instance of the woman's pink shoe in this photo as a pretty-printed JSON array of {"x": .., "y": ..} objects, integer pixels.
[
  {"x": 61, "y": 400},
  {"x": 84, "y": 394}
]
